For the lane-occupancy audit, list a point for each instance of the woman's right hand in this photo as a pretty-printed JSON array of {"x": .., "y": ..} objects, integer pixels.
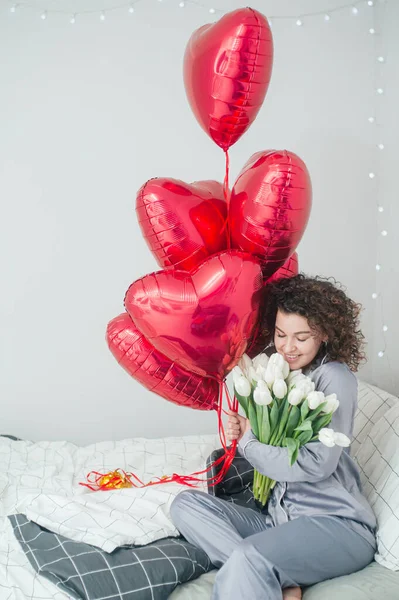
[{"x": 236, "y": 426}]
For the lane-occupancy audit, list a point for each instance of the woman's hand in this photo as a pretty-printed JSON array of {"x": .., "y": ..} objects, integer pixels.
[{"x": 236, "y": 426}]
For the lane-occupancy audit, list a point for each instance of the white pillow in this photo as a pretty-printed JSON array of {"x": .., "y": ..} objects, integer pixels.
[
  {"x": 373, "y": 403},
  {"x": 378, "y": 459}
]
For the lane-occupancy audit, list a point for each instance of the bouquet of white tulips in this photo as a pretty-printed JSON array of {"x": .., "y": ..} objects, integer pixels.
[{"x": 284, "y": 410}]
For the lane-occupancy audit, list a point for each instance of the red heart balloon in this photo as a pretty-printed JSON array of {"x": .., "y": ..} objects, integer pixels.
[
  {"x": 182, "y": 223},
  {"x": 202, "y": 320},
  {"x": 227, "y": 69},
  {"x": 156, "y": 372},
  {"x": 270, "y": 207},
  {"x": 289, "y": 269}
]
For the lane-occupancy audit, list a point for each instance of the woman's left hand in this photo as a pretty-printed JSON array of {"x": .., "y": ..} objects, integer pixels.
[{"x": 236, "y": 426}]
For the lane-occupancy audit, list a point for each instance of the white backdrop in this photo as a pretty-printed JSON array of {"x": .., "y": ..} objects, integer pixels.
[{"x": 89, "y": 112}]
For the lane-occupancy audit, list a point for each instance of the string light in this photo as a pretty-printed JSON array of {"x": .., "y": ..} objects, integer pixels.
[
  {"x": 73, "y": 19},
  {"x": 13, "y": 9},
  {"x": 379, "y": 61},
  {"x": 43, "y": 16},
  {"x": 352, "y": 6}
]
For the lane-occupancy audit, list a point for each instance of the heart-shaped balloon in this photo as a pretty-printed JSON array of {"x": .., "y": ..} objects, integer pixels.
[
  {"x": 203, "y": 319},
  {"x": 289, "y": 269},
  {"x": 182, "y": 223},
  {"x": 227, "y": 69},
  {"x": 156, "y": 372},
  {"x": 270, "y": 207}
]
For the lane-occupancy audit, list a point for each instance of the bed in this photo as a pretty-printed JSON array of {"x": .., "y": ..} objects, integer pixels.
[{"x": 58, "y": 540}]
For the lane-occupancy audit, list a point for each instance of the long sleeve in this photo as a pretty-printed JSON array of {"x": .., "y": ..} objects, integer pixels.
[{"x": 315, "y": 460}]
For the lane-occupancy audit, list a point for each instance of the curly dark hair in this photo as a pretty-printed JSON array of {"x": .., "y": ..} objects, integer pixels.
[{"x": 327, "y": 309}]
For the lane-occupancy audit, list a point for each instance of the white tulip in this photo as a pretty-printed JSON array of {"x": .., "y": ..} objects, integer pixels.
[
  {"x": 295, "y": 376},
  {"x": 278, "y": 360},
  {"x": 341, "y": 440},
  {"x": 279, "y": 388},
  {"x": 262, "y": 395},
  {"x": 295, "y": 396},
  {"x": 243, "y": 387},
  {"x": 286, "y": 369},
  {"x": 315, "y": 399},
  {"x": 237, "y": 373},
  {"x": 251, "y": 374},
  {"x": 330, "y": 438},
  {"x": 245, "y": 363},
  {"x": 260, "y": 371},
  {"x": 261, "y": 360},
  {"x": 332, "y": 403},
  {"x": 274, "y": 357},
  {"x": 269, "y": 375},
  {"x": 306, "y": 385},
  {"x": 326, "y": 437}
]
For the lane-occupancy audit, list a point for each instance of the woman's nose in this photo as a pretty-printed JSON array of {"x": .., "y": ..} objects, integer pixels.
[{"x": 290, "y": 346}]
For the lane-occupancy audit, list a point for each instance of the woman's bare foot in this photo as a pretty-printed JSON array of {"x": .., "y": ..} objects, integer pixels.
[{"x": 292, "y": 593}]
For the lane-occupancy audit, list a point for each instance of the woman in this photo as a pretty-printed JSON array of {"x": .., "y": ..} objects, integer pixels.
[{"x": 317, "y": 524}]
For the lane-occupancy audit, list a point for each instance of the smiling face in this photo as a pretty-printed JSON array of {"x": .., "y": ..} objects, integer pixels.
[{"x": 295, "y": 340}]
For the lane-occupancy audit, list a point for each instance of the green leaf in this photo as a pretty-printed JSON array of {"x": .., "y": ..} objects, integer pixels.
[
  {"x": 304, "y": 409},
  {"x": 321, "y": 422},
  {"x": 314, "y": 413},
  {"x": 304, "y": 437},
  {"x": 305, "y": 426},
  {"x": 293, "y": 447},
  {"x": 293, "y": 420},
  {"x": 252, "y": 416},
  {"x": 243, "y": 403},
  {"x": 283, "y": 417},
  {"x": 265, "y": 434},
  {"x": 294, "y": 456},
  {"x": 259, "y": 413},
  {"x": 274, "y": 416}
]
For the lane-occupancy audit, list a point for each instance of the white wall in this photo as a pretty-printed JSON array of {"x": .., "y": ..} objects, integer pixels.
[{"x": 88, "y": 113}]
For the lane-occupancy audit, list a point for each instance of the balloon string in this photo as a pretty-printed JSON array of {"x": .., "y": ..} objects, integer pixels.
[
  {"x": 121, "y": 479},
  {"x": 227, "y": 195}
]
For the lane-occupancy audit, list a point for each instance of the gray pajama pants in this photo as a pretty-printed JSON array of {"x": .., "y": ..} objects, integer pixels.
[{"x": 258, "y": 560}]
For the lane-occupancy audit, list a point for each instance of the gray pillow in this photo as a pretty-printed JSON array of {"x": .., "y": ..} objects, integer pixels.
[{"x": 132, "y": 572}]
